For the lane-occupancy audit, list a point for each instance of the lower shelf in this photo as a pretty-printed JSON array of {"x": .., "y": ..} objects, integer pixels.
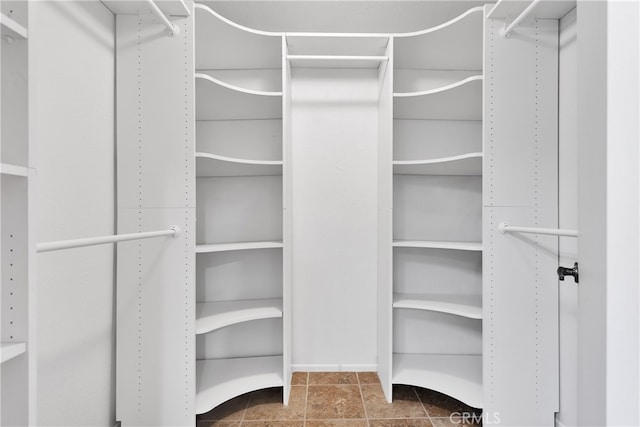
[
  {"x": 458, "y": 376},
  {"x": 222, "y": 379},
  {"x": 9, "y": 350}
]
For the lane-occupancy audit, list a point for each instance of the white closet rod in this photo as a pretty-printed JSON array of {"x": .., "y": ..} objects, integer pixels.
[
  {"x": 91, "y": 241},
  {"x": 507, "y": 30},
  {"x": 506, "y": 228},
  {"x": 155, "y": 9}
]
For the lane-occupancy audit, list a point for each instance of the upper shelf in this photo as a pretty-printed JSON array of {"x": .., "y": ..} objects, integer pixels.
[
  {"x": 462, "y": 36},
  {"x": 211, "y": 165},
  {"x": 11, "y": 28},
  {"x": 9, "y": 169},
  {"x": 469, "y": 306},
  {"x": 9, "y": 350},
  {"x": 461, "y": 100},
  {"x": 217, "y": 100},
  {"x": 510, "y": 9},
  {"x": 465, "y": 164},
  {"x": 211, "y": 316},
  {"x": 432, "y": 244},
  {"x": 242, "y": 246},
  {"x": 224, "y": 45},
  {"x": 136, "y": 7}
]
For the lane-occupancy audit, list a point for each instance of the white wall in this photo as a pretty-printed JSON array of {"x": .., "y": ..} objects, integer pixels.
[
  {"x": 609, "y": 300},
  {"x": 568, "y": 217},
  {"x": 72, "y": 101},
  {"x": 334, "y": 172}
]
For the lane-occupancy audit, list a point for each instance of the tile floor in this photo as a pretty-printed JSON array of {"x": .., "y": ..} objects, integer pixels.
[{"x": 340, "y": 399}]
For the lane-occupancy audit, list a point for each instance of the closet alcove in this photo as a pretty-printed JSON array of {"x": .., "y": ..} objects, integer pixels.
[{"x": 340, "y": 195}]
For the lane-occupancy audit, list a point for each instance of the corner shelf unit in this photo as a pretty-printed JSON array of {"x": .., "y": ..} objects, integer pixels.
[
  {"x": 437, "y": 208},
  {"x": 18, "y": 250},
  {"x": 241, "y": 314}
]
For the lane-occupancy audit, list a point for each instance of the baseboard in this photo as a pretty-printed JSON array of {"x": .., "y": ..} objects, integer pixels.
[{"x": 335, "y": 368}]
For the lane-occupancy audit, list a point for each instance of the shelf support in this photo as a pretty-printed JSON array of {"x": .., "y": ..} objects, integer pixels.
[
  {"x": 173, "y": 29},
  {"x": 506, "y": 228},
  {"x": 101, "y": 240},
  {"x": 508, "y": 28}
]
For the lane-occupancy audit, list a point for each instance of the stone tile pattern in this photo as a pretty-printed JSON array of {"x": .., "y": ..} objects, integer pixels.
[{"x": 341, "y": 399}]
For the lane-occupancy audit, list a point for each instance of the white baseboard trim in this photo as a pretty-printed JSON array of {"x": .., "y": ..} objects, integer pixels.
[{"x": 365, "y": 367}]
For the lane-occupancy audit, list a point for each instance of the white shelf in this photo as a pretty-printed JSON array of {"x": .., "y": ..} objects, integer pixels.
[
  {"x": 332, "y": 44},
  {"x": 217, "y": 100},
  {"x": 211, "y": 165},
  {"x": 9, "y": 169},
  {"x": 407, "y": 82},
  {"x": 9, "y": 350},
  {"x": 464, "y": 164},
  {"x": 469, "y": 306},
  {"x": 459, "y": 101},
  {"x": 136, "y": 7},
  {"x": 216, "y": 315},
  {"x": 11, "y": 28},
  {"x": 224, "y": 44},
  {"x": 459, "y": 376},
  {"x": 336, "y": 61},
  {"x": 555, "y": 9},
  {"x": 220, "y": 380},
  {"x": 243, "y": 246},
  {"x": 460, "y": 246},
  {"x": 441, "y": 88},
  {"x": 462, "y": 37}
]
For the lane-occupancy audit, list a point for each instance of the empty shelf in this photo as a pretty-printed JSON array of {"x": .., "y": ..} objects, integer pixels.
[
  {"x": 215, "y": 315},
  {"x": 9, "y": 350},
  {"x": 222, "y": 379},
  {"x": 11, "y": 28},
  {"x": 459, "y": 376},
  {"x": 225, "y": 45},
  {"x": 336, "y": 61},
  {"x": 9, "y": 169},
  {"x": 331, "y": 44},
  {"x": 461, "y": 101},
  {"x": 469, "y": 306},
  {"x": 217, "y": 100},
  {"x": 210, "y": 165},
  {"x": 465, "y": 164},
  {"x": 242, "y": 246},
  {"x": 461, "y": 246},
  {"x": 462, "y": 37}
]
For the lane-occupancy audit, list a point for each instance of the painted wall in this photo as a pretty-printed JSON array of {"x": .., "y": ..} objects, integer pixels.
[
  {"x": 334, "y": 174},
  {"x": 72, "y": 118},
  {"x": 568, "y": 217}
]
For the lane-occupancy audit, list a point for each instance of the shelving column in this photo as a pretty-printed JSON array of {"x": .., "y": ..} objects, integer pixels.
[
  {"x": 241, "y": 316},
  {"x": 437, "y": 208},
  {"x": 17, "y": 351}
]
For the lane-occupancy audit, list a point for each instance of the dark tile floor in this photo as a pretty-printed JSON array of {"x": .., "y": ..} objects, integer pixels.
[{"x": 341, "y": 399}]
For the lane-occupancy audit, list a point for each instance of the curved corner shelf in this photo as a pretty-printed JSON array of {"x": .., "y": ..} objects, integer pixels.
[
  {"x": 439, "y": 89},
  {"x": 222, "y": 379},
  {"x": 212, "y": 165},
  {"x": 462, "y": 35},
  {"x": 242, "y": 246},
  {"x": 428, "y": 244},
  {"x": 211, "y": 316},
  {"x": 459, "y": 376},
  {"x": 217, "y": 100},
  {"x": 14, "y": 170},
  {"x": 11, "y": 28},
  {"x": 223, "y": 44},
  {"x": 9, "y": 350},
  {"x": 469, "y": 306},
  {"x": 458, "y": 101},
  {"x": 465, "y": 164}
]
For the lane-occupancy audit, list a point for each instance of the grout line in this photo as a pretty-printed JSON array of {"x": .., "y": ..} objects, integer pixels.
[
  {"x": 423, "y": 406},
  {"x": 306, "y": 400},
  {"x": 364, "y": 406}
]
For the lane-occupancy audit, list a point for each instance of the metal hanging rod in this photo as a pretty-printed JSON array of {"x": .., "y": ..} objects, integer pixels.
[
  {"x": 101, "y": 240},
  {"x": 508, "y": 28},
  {"x": 173, "y": 29},
  {"x": 506, "y": 228}
]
